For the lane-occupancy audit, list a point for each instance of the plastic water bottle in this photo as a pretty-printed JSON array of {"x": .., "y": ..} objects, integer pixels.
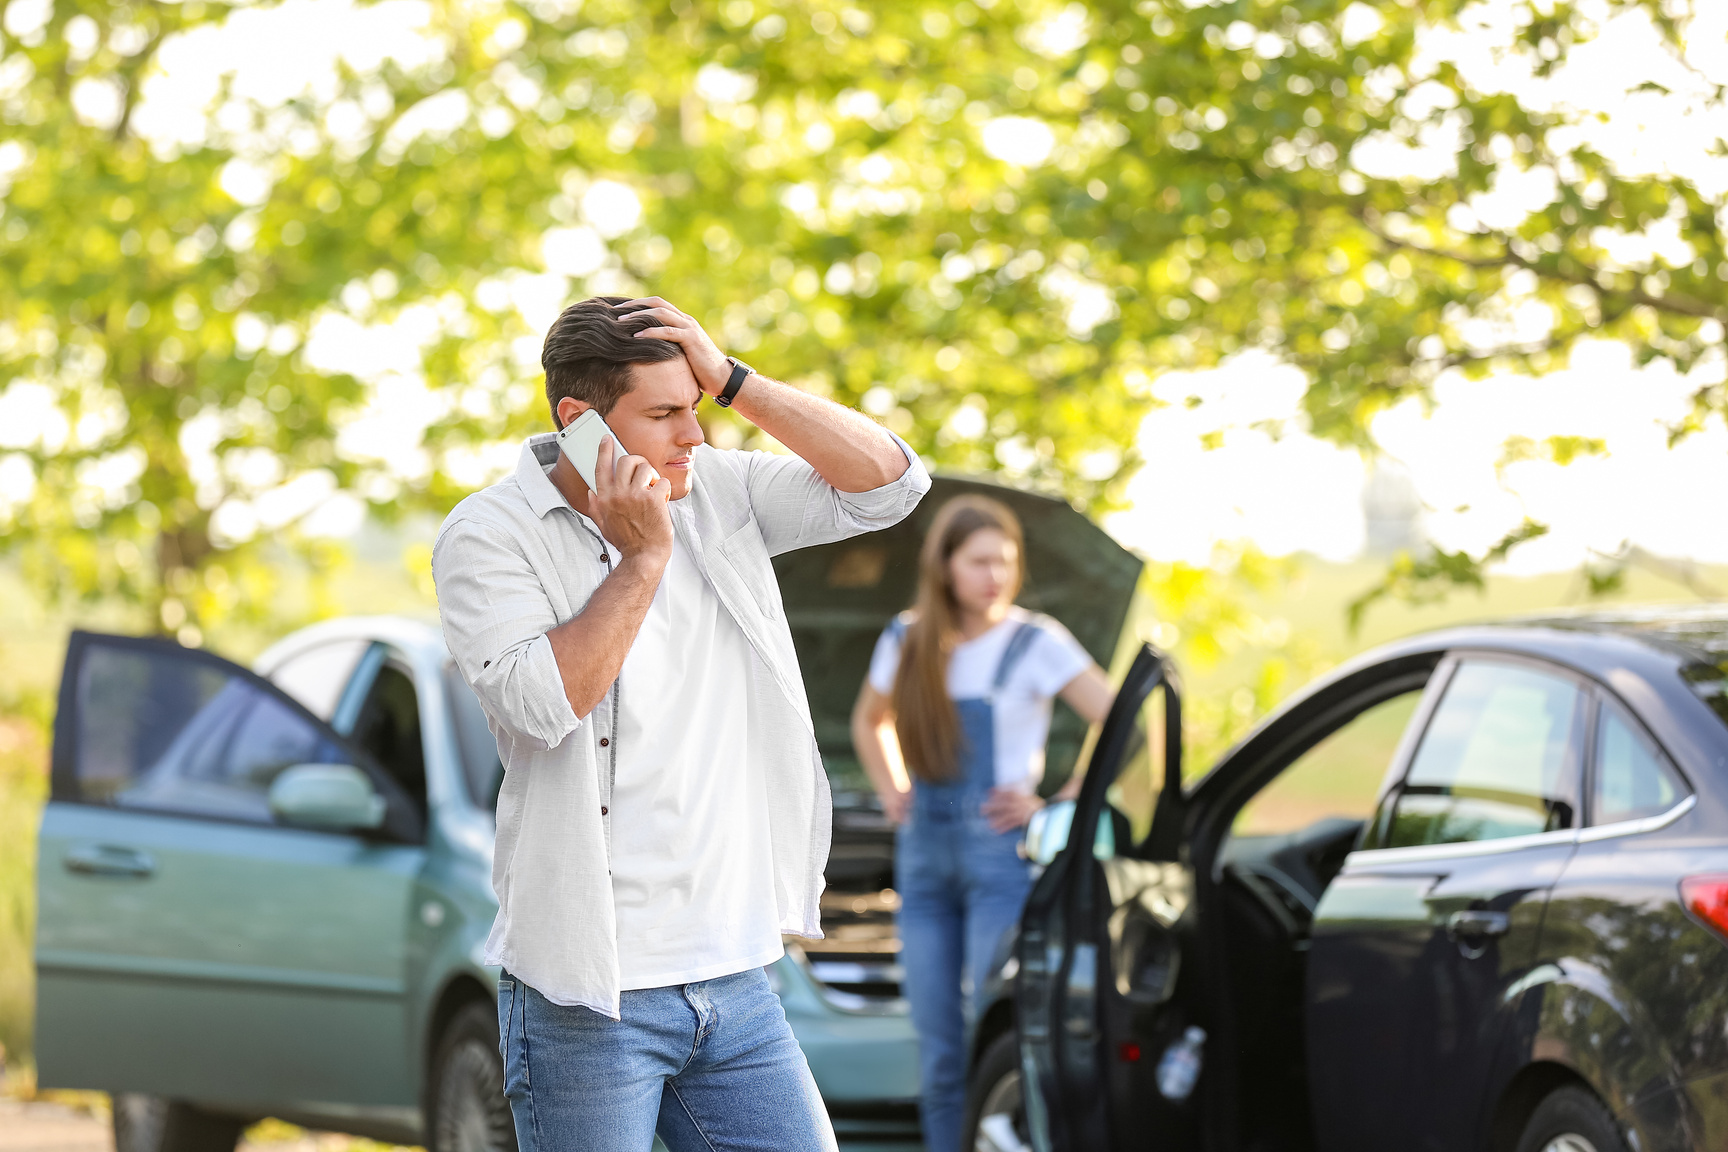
[{"x": 1179, "y": 1067}]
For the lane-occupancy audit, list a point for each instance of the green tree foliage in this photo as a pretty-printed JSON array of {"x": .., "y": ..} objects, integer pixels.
[
  {"x": 991, "y": 224},
  {"x": 1202, "y": 616}
]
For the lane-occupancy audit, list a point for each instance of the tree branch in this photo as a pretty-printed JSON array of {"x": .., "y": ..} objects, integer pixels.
[
  {"x": 140, "y": 63},
  {"x": 1678, "y": 305}
]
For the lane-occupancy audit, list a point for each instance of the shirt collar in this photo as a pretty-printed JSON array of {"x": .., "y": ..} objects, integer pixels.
[{"x": 539, "y": 451}]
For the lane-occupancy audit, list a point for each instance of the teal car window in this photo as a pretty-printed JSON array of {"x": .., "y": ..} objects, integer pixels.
[
  {"x": 1499, "y": 758},
  {"x": 388, "y": 727},
  {"x": 162, "y": 733},
  {"x": 1632, "y": 779},
  {"x": 481, "y": 766}
]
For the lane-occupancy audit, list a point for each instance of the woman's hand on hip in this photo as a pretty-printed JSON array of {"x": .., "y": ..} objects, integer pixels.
[
  {"x": 1010, "y": 808},
  {"x": 896, "y": 805}
]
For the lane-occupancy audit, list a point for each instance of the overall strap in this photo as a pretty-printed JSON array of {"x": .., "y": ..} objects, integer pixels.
[
  {"x": 897, "y": 628},
  {"x": 1017, "y": 646}
]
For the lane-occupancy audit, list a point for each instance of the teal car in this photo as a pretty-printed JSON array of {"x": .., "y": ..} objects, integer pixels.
[{"x": 264, "y": 892}]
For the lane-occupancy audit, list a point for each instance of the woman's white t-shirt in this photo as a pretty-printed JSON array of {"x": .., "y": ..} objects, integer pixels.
[{"x": 1022, "y": 712}]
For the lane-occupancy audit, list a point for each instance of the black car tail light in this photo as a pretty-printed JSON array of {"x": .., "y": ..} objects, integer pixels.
[{"x": 1706, "y": 897}]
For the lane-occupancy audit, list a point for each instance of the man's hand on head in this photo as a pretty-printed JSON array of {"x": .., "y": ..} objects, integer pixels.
[
  {"x": 707, "y": 363},
  {"x": 629, "y": 504},
  {"x": 846, "y": 448}
]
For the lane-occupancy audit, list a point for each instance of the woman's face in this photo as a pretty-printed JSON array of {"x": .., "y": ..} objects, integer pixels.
[{"x": 983, "y": 569}]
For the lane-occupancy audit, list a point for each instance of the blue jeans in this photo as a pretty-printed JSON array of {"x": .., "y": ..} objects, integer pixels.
[
  {"x": 711, "y": 1066},
  {"x": 962, "y": 887}
]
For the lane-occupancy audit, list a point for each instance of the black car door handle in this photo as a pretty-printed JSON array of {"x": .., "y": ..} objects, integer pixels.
[
  {"x": 108, "y": 860},
  {"x": 1476, "y": 923}
]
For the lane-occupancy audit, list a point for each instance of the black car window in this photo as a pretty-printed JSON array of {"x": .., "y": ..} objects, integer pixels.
[
  {"x": 1632, "y": 778},
  {"x": 388, "y": 726},
  {"x": 1134, "y": 794},
  {"x": 1499, "y": 758},
  {"x": 159, "y": 731},
  {"x": 481, "y": 766},
  {"x": 1338, "y": 777}
]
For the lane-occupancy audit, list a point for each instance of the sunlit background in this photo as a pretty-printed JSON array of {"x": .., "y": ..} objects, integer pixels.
[{"x": 1021, "y": 234}]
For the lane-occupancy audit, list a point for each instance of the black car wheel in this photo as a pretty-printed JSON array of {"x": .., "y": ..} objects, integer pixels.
[
  {"x": 468, "y": 1110},
  {"x": 995, "y": 1105},
  {"x": 1571, "y": 1120},
  {"x": 152, "y": 1124}
]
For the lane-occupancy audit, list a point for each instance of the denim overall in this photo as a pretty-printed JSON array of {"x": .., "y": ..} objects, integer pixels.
[{"x": 962, "y": 886}]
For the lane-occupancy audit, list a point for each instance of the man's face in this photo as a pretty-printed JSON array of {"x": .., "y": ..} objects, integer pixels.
[{"x": 656, "y": 419}]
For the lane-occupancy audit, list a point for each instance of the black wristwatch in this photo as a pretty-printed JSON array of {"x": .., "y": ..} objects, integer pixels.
[{"x": 734, "y": 382}]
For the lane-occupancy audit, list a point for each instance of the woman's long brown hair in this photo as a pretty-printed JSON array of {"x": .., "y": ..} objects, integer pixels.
[{"x": 925, "y": 720}]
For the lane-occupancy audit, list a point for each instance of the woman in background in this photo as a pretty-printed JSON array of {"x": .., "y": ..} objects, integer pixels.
[{"x": 960, "y": 692}]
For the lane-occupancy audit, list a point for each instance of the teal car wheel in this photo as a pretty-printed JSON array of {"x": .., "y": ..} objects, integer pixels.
[
  {"x": 468, "y": 1111},
  {"x": 152, "y": 1124}
]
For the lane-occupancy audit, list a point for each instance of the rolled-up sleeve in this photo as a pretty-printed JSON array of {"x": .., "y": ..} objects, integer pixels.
[
  {"x": 796, "y": 508},
  {"x": 496, "y": 615}
]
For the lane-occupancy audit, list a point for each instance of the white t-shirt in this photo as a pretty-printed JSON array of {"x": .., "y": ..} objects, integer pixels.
[
  {"x": 1022, "y": 712},
  {"x": 692, "y": 870}
]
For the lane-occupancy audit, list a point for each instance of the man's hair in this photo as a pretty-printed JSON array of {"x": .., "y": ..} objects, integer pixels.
[{"x": 588, "y": 353}]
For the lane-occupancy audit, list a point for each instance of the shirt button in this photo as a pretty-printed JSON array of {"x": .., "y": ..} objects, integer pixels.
[
  {"x": 602, "y": 809},
  {"x": 604, "y": 741}
]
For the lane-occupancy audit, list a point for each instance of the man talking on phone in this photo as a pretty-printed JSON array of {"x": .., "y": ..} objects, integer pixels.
[{"x": 664, "y": 816}]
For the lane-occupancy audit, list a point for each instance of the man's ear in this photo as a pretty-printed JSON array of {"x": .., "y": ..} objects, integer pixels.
[{"x": 569, "y": 408}]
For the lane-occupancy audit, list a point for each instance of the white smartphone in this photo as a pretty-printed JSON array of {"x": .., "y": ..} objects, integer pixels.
[{"x": 580, "y": 441}]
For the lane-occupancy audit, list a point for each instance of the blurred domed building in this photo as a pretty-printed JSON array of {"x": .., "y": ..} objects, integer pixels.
[{"x": 1392, "y": 510}]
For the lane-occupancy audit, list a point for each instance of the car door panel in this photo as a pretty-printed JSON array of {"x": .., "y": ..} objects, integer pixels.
[
  {"x": 249, "y": 963},
  {"x": 1103, "y": 963},
  {"x": 1385, "y": 922},
  {"x": 1421, "y": 945},
  {"x": 1407, "y": 1007}
]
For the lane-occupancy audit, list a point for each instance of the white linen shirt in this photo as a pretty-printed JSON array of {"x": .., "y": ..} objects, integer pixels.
[{"x": 514, "y": 561}]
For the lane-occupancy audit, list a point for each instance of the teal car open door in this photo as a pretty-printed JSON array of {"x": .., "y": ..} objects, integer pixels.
[{"x": 224, "y": 893}]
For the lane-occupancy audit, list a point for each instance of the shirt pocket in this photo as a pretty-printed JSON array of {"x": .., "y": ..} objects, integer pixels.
[{"x": 747, "y": 555}]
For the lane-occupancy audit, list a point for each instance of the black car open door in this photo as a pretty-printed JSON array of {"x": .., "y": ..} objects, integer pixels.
[{"x": 1104, "y": 1000}]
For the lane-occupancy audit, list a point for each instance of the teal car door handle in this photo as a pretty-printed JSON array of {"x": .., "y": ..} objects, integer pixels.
[{"x": 108, "y": 860}]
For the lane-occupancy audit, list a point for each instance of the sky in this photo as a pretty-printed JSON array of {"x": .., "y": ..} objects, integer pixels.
[{"x": 1282, "y": 490}]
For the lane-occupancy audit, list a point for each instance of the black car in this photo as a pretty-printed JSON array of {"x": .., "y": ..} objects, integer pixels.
[{"x": 1469, "y": 891}]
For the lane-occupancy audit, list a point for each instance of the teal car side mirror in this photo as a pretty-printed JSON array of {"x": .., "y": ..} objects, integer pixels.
[
  {"x": 1047, "y": 834},
  {"x": 1047, "y": 831},
  {"x": 334, "y": 797}
]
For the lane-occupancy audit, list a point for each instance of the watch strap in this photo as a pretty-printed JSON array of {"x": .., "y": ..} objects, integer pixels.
[{"x": 736, "y": 381}]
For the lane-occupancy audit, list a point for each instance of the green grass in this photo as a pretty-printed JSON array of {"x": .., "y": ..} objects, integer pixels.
[
  {"x": 23, "y": 787},
  {"x": 1340, "y": 776}
]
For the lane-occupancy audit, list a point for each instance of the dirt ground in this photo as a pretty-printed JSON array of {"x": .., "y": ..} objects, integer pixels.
[
  {"x": 46, "y": 1126},
  {"x": 38, "y": 1126}
]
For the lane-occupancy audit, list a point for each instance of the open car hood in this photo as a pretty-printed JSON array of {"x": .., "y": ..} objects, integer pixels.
[{"x": 839, "y": 597}]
